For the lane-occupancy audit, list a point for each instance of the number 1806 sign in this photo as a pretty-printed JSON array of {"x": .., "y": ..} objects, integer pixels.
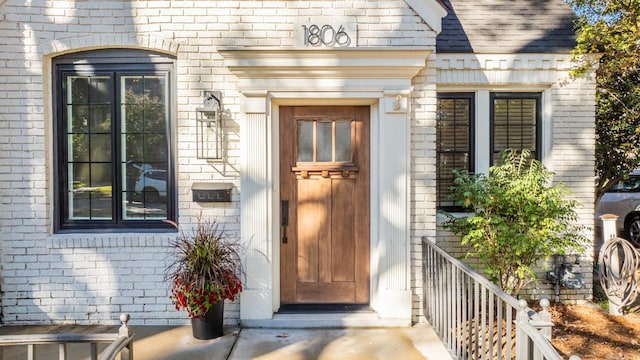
[{"x": 326, "y": 35}]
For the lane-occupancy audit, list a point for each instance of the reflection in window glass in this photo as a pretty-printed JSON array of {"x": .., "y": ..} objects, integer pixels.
[
  {"x": 78, "y": 121},
  {"x": 78, "y": 89},
  {"x": 100, "y": 119},
  {"x": 113, "y": 143},
  {"x": 144, "y": 146},
  {"x": 89, "y": 147},
  {"x": 78, "y": 153},
  {"x": 631, "y": 184}
]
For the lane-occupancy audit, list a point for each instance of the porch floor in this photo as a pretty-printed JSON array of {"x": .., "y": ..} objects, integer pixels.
[{"x": 176, "y": 342}]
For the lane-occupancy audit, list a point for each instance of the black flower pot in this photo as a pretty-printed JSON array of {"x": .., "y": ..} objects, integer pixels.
[{"x": 210, "y": 326}]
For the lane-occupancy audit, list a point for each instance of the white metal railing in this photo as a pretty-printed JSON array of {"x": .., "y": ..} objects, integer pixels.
[
  {"x": 475, "y": 319},
  {"x": 120, "y": 343}
]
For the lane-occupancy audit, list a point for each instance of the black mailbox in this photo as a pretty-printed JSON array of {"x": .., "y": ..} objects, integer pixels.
[{"x": 211, "y": 192}]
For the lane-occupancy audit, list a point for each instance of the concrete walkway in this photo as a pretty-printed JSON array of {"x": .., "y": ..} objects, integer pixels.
[{"x": 173, "y": 343}]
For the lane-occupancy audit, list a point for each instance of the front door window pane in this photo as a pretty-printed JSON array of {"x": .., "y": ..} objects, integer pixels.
[
  {"x": 343, "y": 141},
  {"x": 305, "y": 141},
  {"x": 324, "y": 138}
]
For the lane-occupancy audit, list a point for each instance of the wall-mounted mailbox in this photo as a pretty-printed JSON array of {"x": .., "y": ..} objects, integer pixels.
[{"x": 211, "y": 192}]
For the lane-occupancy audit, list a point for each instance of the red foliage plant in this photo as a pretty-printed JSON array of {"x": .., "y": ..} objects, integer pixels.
[
  {"x": 206, "y": 269},
  {"x": 197, "y": 301}
]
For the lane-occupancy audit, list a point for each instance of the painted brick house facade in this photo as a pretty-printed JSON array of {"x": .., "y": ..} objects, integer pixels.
[{"x": 401, "y": 59}]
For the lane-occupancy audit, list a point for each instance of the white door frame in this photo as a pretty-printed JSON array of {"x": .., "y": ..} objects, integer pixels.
[{"x": 380, "y": 78}]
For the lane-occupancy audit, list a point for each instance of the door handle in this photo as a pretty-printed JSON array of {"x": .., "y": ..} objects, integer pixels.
[{"x": 284, "y": 219}]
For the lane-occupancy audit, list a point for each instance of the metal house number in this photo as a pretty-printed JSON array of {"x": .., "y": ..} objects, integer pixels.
[{"x": 327, "y": 35}]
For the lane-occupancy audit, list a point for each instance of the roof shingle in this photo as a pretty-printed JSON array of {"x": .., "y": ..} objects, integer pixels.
[{"x": 506, "y": 26}]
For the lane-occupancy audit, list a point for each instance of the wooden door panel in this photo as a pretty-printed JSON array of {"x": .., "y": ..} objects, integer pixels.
[
  {"x": 312, "y": 202},
  {"x": 325, "y": 257},
  {"x": 326, "y": 292},
  {"x": 343, "y": 225}
]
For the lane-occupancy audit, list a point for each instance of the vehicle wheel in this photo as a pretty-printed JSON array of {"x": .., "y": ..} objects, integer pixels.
[
  {"x": 151, "y": 195},
  {"x": 632, "y": 230}
]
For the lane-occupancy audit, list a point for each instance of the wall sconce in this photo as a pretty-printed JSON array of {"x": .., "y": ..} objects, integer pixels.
[{"x": 209, "y": 126}]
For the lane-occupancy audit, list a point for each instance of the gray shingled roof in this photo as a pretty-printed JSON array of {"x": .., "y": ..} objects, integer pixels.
[{"x": 506, "y": 26}]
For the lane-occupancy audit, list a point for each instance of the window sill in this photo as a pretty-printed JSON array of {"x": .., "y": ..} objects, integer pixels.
[{"x": 110, "y": 240}]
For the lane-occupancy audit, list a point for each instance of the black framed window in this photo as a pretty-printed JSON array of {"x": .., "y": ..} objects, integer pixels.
[
  {"x": 454, "y": 142},
  {"x": 515, "y": 123},
  {"x": 113, "y": 140}
]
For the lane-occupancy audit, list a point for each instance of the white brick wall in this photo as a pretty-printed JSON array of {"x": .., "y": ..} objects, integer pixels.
[{"x": 91, "y": 278}]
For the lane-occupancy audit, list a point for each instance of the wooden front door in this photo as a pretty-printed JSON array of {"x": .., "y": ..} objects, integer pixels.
[{"x": 324, "y": 190}]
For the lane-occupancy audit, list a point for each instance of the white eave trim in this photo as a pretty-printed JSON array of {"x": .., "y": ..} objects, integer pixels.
[
  {"x": 342, "y": 63},
  {"x": 525, "y": 61},
  {"x": 431, "y": 11}
]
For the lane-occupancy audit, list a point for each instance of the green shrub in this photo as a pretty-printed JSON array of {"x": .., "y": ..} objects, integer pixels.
[{"x": 518, "y": 219}]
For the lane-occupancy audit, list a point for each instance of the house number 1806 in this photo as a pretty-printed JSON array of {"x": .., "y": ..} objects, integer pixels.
[{"x": 326, "y": 35}]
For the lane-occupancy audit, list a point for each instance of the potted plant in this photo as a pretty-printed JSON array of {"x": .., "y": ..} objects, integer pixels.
[{"x": 205, "y": 271}]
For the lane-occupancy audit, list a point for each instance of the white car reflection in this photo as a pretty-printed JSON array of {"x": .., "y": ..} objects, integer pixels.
[{"x": 152, "y": 185}]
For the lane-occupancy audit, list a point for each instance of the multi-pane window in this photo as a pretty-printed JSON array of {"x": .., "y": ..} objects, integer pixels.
[
  {"x": 113, "y": 140},
  {"x": 514, "y": 123},
  {"x": 454, "y": 142},
  {"x": 324, "y": 141}
]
